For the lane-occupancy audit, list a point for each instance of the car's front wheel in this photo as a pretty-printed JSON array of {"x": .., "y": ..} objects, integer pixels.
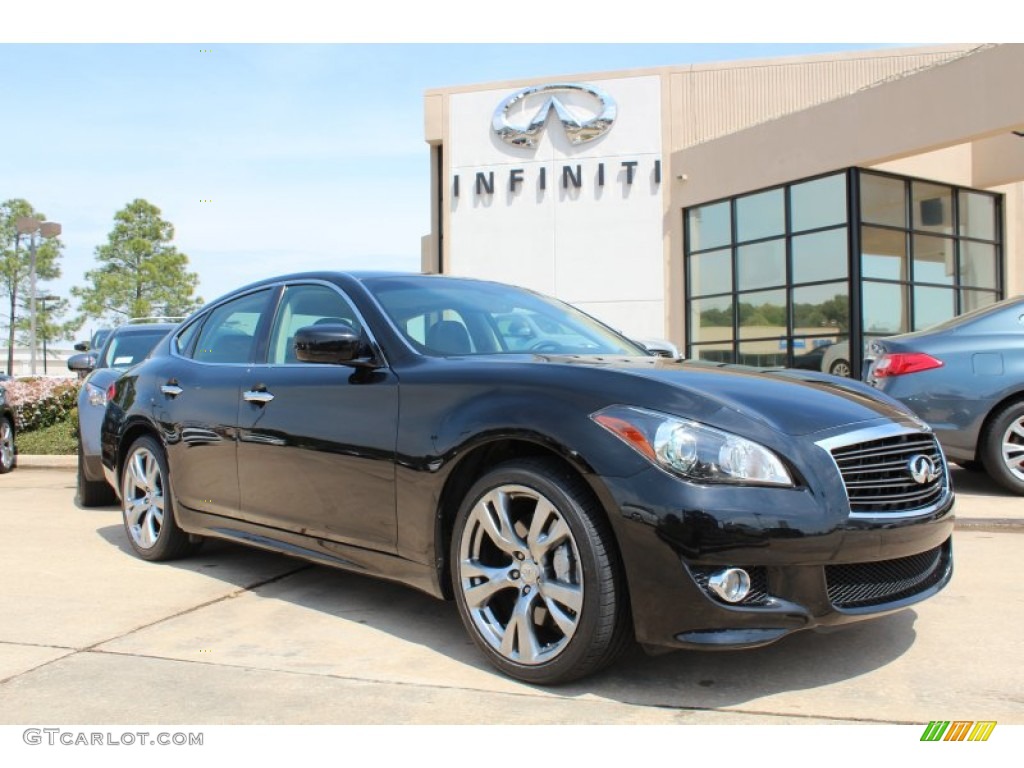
[
  {"x": 147, "y": 504},
  {"x": 536, "y": 574},
  {"x": 6, "y": 445},
  {"x": 1002, "y": 447}
]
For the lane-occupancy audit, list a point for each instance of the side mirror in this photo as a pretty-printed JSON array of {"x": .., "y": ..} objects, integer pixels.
[
  {"x": 81, "y": 363},
  {"x": 82, "y": 346},
  {"x": 659, "y": 347},
  {"x": 333, "y": 343}
]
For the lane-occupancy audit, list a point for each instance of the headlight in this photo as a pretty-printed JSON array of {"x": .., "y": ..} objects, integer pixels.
[
  {"x": 95, "y": 395},
  {"x": 693, "y": 451}
]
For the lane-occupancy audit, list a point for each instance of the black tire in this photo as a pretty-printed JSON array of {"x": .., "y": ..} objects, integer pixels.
[
  {"x": 92, "y": 493},
  {"x": 1006, "y": 467},
  {"x": 145, "y": 486},
  {"x": 8, "y": 454},
  {"x": 560, "y": 609}
]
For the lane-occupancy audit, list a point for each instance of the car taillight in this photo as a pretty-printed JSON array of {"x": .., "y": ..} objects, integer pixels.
[
  {"x": 900, "y": 363},
  {"x": 111, "y": 390}
]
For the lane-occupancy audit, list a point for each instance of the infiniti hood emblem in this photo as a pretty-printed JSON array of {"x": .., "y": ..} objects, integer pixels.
[
  {"x": 922, "y": 469},
  {"x": 554, "y": 97}
]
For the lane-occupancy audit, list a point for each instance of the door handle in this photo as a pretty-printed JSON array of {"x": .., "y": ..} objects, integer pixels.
[
  {"x": 171, "y": 388},
  {"x": 258, "y": 396}
]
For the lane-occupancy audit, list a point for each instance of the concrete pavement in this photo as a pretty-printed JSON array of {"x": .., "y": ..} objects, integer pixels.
[{"x": 91, "y": 634}]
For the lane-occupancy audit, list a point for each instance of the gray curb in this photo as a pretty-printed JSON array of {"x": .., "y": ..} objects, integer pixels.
[{"x": 35, "y": 461}]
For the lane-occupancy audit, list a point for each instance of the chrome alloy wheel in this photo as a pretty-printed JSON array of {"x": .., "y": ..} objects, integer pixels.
[
  {"x": 1013, "y": 448},
  {"x": 6, "y": 445},
  {"x": 520, "y": 575},
  {"x": 142, "y": 498}
]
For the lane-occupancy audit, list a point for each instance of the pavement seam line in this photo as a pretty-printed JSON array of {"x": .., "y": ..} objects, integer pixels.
[
  {"x": 543, "y": 697},
  {"x": 70, "y": 652},
  {"x": 74, "y": 651},
  {"x": 200, "y": 606}
]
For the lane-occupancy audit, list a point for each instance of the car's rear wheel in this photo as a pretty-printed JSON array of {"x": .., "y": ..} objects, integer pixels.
[
  {"x": 1003, "y": 447},
  {"x": 92, "y": 493},
  {"x": 7, "y": 455},
  {"x": 147, "y": 504},
  {"x": 536, "y": 574}
]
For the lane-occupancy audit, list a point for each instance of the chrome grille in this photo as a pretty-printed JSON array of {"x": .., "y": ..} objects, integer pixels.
[{"x": 878, "y": 476}]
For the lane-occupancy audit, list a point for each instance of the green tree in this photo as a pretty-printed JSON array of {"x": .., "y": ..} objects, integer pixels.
[
  {"x": 141, "y": 274},
  {"x": 15, "y": 264}
]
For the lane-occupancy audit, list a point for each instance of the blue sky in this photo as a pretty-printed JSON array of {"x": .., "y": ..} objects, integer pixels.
[{"x": 313, "y": 155}]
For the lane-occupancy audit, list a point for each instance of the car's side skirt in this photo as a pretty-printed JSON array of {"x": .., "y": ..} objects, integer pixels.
[{"x": 317, "y": 550}]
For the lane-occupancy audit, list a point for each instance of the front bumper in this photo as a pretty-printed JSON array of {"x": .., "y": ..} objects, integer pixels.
[{"x": 812, "y": 563}]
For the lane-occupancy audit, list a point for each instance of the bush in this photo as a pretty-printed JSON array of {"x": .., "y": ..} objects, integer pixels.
[{"x": 41, "y": 402}]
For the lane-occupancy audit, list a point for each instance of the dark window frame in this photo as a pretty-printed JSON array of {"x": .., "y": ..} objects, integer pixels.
[{"x": 854, "y": 280}]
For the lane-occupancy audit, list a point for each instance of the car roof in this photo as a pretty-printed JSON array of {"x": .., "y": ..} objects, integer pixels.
[{"x": 137, "y": 328}]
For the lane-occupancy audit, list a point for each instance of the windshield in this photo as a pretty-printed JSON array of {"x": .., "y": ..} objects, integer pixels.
[
  {"x": 440, "y": 317},
  {"x": 125, "y": 350}
]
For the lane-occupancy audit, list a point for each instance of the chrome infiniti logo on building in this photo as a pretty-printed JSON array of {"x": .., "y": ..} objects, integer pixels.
[
  {"x": 578, "y": 131},
  {"x": 922, "y": 469}
]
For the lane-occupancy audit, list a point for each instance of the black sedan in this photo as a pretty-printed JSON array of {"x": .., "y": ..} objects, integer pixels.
[
  {"x": 569, "y": 499},
  {"x": 8, "y": 454},
  {"x": 965, "y": 377}
]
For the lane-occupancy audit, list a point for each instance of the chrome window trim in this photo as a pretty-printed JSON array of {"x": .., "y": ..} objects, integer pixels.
[
  {"x": 879, "y": 432},
  {"x": 210, "y": 308},
  {"x": 207, "y": 311}
]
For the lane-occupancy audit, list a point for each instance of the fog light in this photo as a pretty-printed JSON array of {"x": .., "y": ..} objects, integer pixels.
[{"x": 730, "y": 584}]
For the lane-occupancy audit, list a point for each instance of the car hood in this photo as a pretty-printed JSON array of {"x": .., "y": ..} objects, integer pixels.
[{"x": 792, "y": 401}]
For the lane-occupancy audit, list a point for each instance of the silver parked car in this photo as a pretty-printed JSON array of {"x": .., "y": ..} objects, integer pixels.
[{"x": 122, "y": 348}]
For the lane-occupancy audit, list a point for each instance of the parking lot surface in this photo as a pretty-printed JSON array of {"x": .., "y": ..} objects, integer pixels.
[{"x": 91, "y": 634}]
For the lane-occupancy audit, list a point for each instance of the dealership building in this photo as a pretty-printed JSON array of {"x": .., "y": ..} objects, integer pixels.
[{"x": 750, "y": 211}]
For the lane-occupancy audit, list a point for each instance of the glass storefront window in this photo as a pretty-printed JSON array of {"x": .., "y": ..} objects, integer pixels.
[
  {"x": 977, "y": 264},
  {"x": 820, "y": 256},
  {"x": 884, "y": 254},
  {"x": 976, "y": 300},
  {"x": 713, "y": 353},
  {"x": 760, "y": 215},
  {"x": 761, "y": 265},
  {"x": 762, "y": 314},
  {"x": 933, "y": 259},
  {"x": 816, "y": 353},
  {"x": 710, "y": 226},
  {"x": 933, "y": 305},
  {"x": 821, "y": 308},
  {"x": 882, "y": 200},
  {"x": 884, "y": 308},
  {"x": 818, "y": 203},
  {"x": 977, "y": 216},
  {"x": 770, "y": 272},
  {"x": 711, "y": 319},
  {"x": 767, "y": 353},
  {"x": 933, "y": 207},
  {"x": 711, "y": 272}
]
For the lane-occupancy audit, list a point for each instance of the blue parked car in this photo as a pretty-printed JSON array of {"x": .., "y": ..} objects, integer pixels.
[{"x": 965, "y": 377}]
